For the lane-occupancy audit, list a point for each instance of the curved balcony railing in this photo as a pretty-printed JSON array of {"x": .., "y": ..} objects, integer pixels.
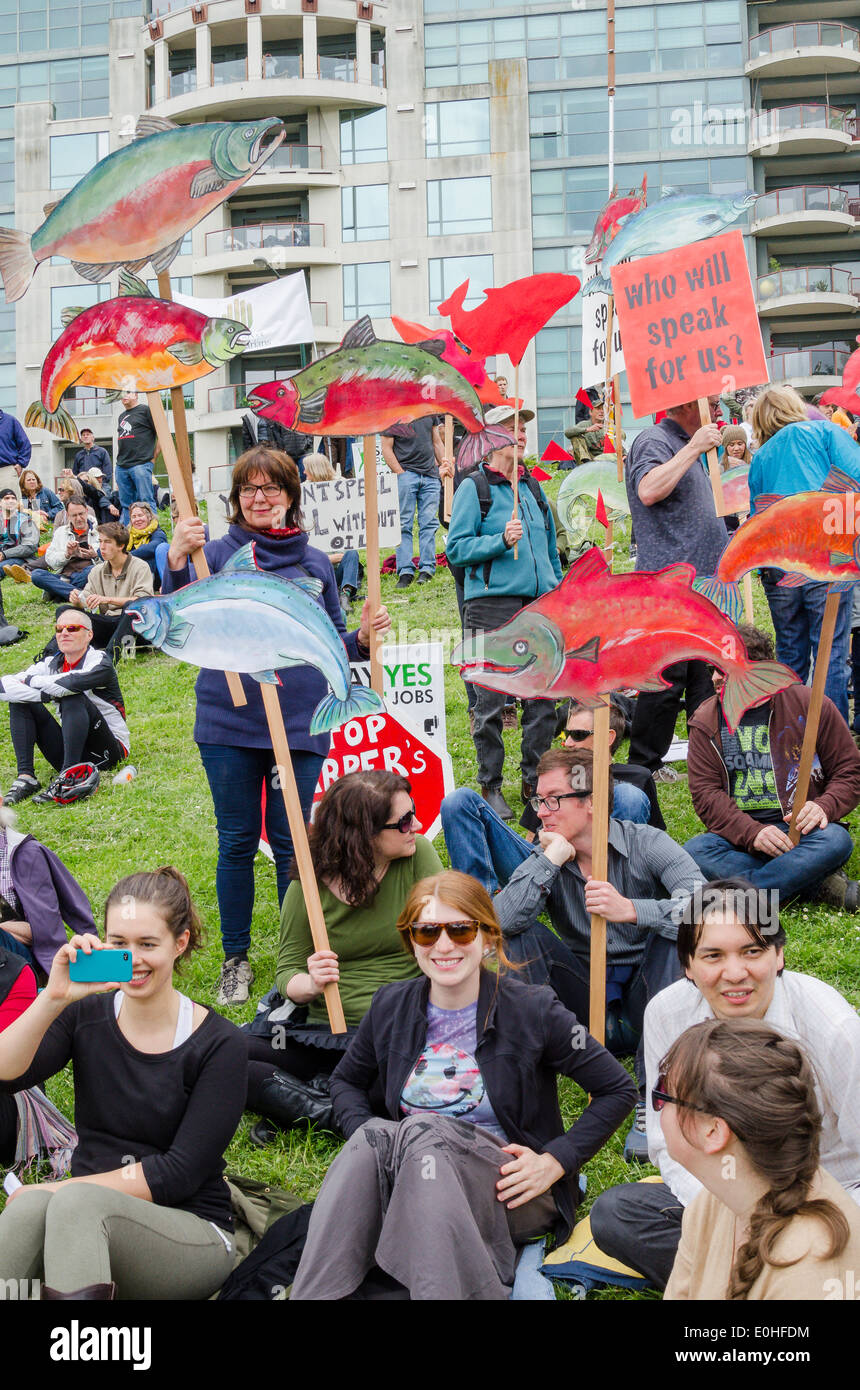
[
  {"x": 805, "y": 279},
  {"x": 295, "y": 157},
  {"x": 263, "y": 236},
  {"x": 283, "y": 65},
  {"x": 809, "y": 34},
  {"x": 228, "y": 70},
  {"x": 87, "y": 405},
  {"x": 808, "y": 197},
  {"x": 806, "y": 362},
  {"x": 276, "y": 65},
  {"x": 803, "y": 116},
  {"x": 179, "y": 84}
]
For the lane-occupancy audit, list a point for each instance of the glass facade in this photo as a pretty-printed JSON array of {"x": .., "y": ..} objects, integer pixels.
[
  {"x": 366, "y": 289},
  {"x": 72, "y": 156},
  {"x": 364, "y": 212},
  {"x": 457, "y": 127},
  {"x": 458, "y": 206},
  {"x": 363, "y": 136},
  {"x": 447, "y": 272}
]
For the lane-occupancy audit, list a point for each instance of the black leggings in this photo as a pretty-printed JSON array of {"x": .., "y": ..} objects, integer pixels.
[
  {"x": 8, "y": 1130},
  {"x": 299, "y": 1060},
  {"x": 81, "y": 736}
]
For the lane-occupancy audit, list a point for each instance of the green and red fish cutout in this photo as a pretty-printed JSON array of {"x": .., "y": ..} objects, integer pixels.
[
  {"x": 372, "y": 386},
  {"x": 137, "y": 203},
  {"x": 611, "y": 216},
  {"x": 135, "y": 339},
  {"x": 469, "y": 366},
  {"x": 597, "y": 632}
]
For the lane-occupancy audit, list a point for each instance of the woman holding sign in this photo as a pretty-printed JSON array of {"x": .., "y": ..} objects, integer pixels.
[{"x": 265, "y": 507}]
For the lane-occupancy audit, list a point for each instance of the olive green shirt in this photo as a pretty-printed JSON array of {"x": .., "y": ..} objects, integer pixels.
[{"x": 366, "y": 940}]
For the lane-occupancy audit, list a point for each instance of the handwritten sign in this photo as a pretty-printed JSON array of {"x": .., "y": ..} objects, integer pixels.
[
  {"x": 335, "y": 517},
  {"x": 689, "y": 323},
  {"x": 595, "y": 317}
]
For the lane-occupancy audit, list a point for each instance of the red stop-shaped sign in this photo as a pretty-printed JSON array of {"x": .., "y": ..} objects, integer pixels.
[{"x": 380, "y": 743}]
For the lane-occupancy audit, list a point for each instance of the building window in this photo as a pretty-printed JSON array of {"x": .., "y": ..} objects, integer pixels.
[
  {"x": 7, "y": 171},
  {"x": 179, "y": 284},
  {"x": 74, "y": 297},
  {"x": 364, "y": 212},
  {"x": 558, "y": 358},
  {"x": 447, "y": 272},
  {"x": 458, "y": 206},
  {"x": 7, "y": 386},
  {"x": 457, "y": 127},
  {"x": 363, "y": 137},
  {"x": 367, "y": 289},
  {"x": 72, "y": 156},
  {"x": 7, "y": 329}
]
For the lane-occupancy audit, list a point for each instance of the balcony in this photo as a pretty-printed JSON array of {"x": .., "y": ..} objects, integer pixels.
[
  {"x": 808, "y": 128},
  {"x": 809, "y": 369},
  {"x": 793, "y": 215},
  {"x": 290, "y": 245},
  {"x": 802, "y": 290},
  {"x": 297, "y": 166},
  {"x": 799, "y": 49},
  {"x": 230, "y": 91}
]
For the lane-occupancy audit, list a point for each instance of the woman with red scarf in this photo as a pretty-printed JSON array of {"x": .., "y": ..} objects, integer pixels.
[{"x": 264, "y": 507}]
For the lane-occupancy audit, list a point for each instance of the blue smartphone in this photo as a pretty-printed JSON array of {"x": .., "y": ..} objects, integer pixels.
[{"x": 101, "y": 967}]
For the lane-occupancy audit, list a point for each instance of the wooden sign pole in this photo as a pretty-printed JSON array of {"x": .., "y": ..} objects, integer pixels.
[
  {"x": 371, "y": 531},
  {"x": 611, "y": 385},
  {"x": 599, "y": 870},
  {"x": 713, "y": 461},
  {"x": 749, "y": 616},
  {"x": 448, "y": 484},
  {"x": 516, "y": 478},
  {"x": 813, "y": 714},
  {"x": 177, "y": 403}
]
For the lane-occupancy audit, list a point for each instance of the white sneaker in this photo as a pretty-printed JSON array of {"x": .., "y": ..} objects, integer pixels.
[{"x": 234, "y": 982}]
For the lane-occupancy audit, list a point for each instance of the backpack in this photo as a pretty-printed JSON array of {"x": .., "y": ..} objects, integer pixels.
[
  {"x": 269, "y": 1270},
  {"x": 482, "y": 487}
]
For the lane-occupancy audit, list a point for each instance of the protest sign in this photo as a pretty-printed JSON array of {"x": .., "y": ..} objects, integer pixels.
[
  {"x": 595, "y": 317},
  {"x": 334, "y": 513},
  {"x": 689, "y": 323},
  {"x": 277, "y": 313},
  {"x": 413, "y": 685}
]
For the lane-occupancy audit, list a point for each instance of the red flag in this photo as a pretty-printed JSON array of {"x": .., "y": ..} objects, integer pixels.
[
  {"x": 541, "y": 475},
  {"x": 553, "y": 453},
  {"x": 600, "y": 510},
  {"x": 583, "y": 397},
  {"x": 608, "y": 444},
  {"x": 511, "y": 314}
]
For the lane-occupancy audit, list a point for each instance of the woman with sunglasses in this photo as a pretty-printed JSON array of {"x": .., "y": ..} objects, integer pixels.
[
  {"x": 474, "y": 1158},
  {"x": 235, "y": 747},
  {"x": 367, "y": 857},
  {"x": 739, "y": 1111}
]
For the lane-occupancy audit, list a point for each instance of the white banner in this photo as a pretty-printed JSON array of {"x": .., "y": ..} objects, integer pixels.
[
  {"x": 277, "y": 313},
  {"x": 413, "y": 686},
  {"x": 335, "y": 517},
  {"x": 595, "y": 316}
]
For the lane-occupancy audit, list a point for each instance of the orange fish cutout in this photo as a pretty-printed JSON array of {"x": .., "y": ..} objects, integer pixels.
[{"x": 511, "y": 315}]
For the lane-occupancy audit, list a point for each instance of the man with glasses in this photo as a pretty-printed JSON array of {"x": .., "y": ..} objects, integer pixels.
[{"x": 91, "y": 729}]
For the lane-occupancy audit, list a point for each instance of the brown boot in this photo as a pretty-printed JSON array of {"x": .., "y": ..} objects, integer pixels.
[{"x": 103, "y": 1292}]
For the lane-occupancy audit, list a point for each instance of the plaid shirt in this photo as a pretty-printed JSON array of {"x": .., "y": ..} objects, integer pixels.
[
  {"x": 7, "y": 887},
  {"x": 803, "y": 1008}
]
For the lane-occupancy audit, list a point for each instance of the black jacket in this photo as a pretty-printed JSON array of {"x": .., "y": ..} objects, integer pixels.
[{"x": 525, "y": 1038}]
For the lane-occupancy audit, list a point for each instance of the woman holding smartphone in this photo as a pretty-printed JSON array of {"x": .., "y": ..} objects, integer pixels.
[{"x": 159, "y": 1090}]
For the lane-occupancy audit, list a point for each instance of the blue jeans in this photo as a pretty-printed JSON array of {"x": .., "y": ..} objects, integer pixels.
[
  {"x": 798, "y": 871},
  {"x": 348, "y": 571},
  {"x": 630, "y": 803},
  {"x": 421, "y": 490},
  {"x": 17, "y": 948},
  {"x": 135, "y": 485},
  {"x": 58, "y": 587},
  {"x": 236, "y": 777},
  {"x": 797, "y": 615}
]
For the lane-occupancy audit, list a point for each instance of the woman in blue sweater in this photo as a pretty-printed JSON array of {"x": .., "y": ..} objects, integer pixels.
[{"x": 235, "y": 747}]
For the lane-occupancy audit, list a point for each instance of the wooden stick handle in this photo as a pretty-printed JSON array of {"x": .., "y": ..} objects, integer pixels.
[
  {"x": 749, "y": 616},
  {"x": 448, "y": 484},
  {"x": 187, "y": 507},
  {"x": 301, "y": 848},
  {"x": 599, "y": 870},
  {"x": 177, "y": 402},
  {"x": 813, "y": 714},
  {"x": 619, "y": 446},
  {"x": 516, "y": 479},
  {"x": 713, "y": 461},
  {"x": 371, "y": 531}
]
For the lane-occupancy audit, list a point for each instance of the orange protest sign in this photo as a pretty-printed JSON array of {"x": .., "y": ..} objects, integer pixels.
[{"x": 689, "y": 324}]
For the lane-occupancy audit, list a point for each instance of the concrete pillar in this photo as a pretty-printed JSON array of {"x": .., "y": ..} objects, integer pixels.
[
  {"x": 362, "y": 49},
  {"x": 309, "y": 45},
  {"x": 255, "y": 48},
  {"x": 203, "y": 36},
  {"x": 162, "y": 79}
]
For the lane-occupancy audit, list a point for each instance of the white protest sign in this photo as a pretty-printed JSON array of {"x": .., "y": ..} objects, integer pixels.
[
  {"x": 216, "y": 514},
  {"x": 413, "y": 686},
  {"x": 595, "y": 316},
  {"x": 335, "y": 517},
  {"x": 277, "y": 313}
]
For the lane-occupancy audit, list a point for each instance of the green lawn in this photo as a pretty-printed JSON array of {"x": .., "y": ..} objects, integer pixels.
[{"x": 165, "y": 816}]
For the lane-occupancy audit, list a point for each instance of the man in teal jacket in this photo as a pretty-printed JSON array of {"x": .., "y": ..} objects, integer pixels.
[{"x": 483, "y": 536}]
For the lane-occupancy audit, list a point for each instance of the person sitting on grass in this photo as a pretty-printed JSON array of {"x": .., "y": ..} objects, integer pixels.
[
  {"x": 73, "y": 552},
  {"x": 734, "y": 965},
  {"x": 42, "y": 504},
  {"x": 111, "y": 586},
  {"x": 367, "y": 855},
  {"x": 742, "y": 785},
  {"x": 159, "y": 1091},
  {"x": 467, "y": 1058},
  {"x": 91, "y": 731},
  {"x": 19, "y": 533},
  {"x": 739, "y": 1098},
  {"x": 145, "y": 535}
]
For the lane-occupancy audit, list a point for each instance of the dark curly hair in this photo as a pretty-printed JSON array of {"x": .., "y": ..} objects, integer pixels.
[{"x": 348, "y": 818}]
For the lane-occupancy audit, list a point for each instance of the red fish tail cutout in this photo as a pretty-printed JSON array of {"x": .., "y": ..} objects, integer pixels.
[
  {"x": 511, "y": 314},
  {"x": 475, "y": 447},
  {"x": 59, "y": 423},
  {"x": 750, "y": 683},
  {"x": 726, "y": 597},
  {"x": 600, "y": 512},
  {"x": 17, "y": 262}
]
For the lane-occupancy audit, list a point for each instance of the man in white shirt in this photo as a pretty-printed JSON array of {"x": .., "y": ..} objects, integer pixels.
[{"x": 734, "y": 969}]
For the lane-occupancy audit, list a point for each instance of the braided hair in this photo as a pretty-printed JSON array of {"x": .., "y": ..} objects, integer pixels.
[{"x": 761, "y": 1084}]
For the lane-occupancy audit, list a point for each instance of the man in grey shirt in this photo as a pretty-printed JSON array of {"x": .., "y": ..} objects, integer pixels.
[
  {"x": 650, "y": 880},
  {"x": 674, "y": 518}
]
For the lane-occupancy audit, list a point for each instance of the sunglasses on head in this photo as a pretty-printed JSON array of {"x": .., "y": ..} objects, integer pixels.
[
  {"x": 578, "y": 735},
  {"x": 404, "y": 825},
  {"x": 428, "y": 933},
  {"x": 661, "y": 1097}
]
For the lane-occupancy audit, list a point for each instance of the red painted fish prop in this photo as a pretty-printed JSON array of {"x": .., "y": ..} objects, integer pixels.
[
  {"x": 137, "y": 203},
  {"x": 369, "y": 386},
  {"x": 471, "y": 367},
  {"x": 810, "y": 535},
  {"x": 838, "y": 395},
  {"x": 511, "y": 315},
  {"x": 736, "y": 493},
  {"x": 611, "y": 216},
  {"x": 597, "y": 632},
  {"x": 135, "y": 338}
]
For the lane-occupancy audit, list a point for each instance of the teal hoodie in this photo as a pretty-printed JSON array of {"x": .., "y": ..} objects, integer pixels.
[{"x": 473, "y": 541}]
